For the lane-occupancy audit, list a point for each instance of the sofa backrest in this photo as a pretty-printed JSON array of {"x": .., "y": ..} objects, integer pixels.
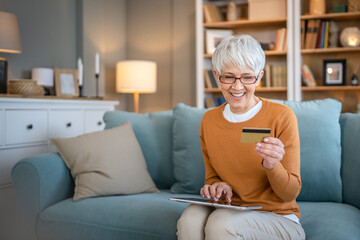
[
  {"x": 154, "y": 134},
  {"x": 350, "y": 167}
]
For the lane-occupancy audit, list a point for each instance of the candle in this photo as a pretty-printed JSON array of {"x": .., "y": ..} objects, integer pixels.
[
  {"x": 97, "y": 63},
  {"x": 80, "y": 71}
]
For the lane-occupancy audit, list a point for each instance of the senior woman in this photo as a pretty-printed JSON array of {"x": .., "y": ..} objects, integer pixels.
[{"x": 265, "y": 173}]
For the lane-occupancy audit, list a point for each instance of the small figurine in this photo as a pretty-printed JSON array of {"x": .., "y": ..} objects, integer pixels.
[
  {"x": 231, "y": 14},
  {"x": 354, "y": 80},
  {"x": 334, "y": 34}
]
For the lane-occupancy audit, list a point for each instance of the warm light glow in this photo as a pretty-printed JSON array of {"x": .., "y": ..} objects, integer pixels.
[
  {"x": 353, "y": 41},
  {"x": 136, "y": 76},
  {"x": 329, "y": 70}
]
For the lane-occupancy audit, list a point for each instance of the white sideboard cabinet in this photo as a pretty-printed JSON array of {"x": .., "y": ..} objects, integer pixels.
[{"x": 26, "y": 126}]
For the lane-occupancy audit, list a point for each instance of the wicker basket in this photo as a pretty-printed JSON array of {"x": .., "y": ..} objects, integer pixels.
[
  {"x": 24, "y": 87},
  {"x": 353, "y": 5}
]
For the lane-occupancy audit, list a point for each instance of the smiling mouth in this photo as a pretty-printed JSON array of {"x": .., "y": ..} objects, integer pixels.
[{"x": 237, "y": 94}]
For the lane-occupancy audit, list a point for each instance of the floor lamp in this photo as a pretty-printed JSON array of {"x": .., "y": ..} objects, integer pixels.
[
  {"x": 136, "y": 76},
  {"x": 9, "y": 43}
]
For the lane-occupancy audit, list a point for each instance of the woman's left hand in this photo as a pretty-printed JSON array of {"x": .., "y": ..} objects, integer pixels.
[{"x": 271, "y": 150}]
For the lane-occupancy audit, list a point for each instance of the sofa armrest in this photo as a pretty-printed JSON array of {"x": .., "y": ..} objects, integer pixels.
[
  {"x": 39, "y": 181},
  {"x": 350, "y": 166}
]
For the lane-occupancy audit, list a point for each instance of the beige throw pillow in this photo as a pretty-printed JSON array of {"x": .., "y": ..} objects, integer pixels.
[{"x": 108, "y": 162}]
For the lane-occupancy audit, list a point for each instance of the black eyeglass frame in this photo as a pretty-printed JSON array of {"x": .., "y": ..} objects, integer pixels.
[{"x": 256, "y": 78}]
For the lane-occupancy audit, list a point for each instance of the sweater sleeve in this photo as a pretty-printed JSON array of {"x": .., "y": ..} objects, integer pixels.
[
  {"x": 285, "y": 176},
  {"x": 211, "y": 176}
]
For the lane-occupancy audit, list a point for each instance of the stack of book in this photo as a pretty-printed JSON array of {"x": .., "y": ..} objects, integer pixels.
[
  {"x": 274, "y": 76},
  {"x": 210, "y": 80},
  {"x": 314, "y": 34},
  {"x": 214, "y": 101},
  {"x": 212, "y": 13}
]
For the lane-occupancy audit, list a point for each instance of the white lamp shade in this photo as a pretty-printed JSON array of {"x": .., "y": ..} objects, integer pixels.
[
  {"x": 43, "y": 76},
  {"x": 136, "y": 76},
  {"x": 9, "y": 33}
]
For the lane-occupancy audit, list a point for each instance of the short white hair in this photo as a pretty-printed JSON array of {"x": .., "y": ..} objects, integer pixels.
[{"x": 241, "y": 51}]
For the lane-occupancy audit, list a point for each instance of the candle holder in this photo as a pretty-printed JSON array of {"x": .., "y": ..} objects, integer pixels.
[
  {"x": 97, "y": 84},
  {"x": 80, "y": 91}
]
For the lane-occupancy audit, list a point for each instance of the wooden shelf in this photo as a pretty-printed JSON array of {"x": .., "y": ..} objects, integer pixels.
[
  {"x": 333, "y": 16},
  {"x": 246, "y": 23},
  {"x": 329, "y": 50},
  {"x": 331, "y": 88},
  {"x": 267, "y": 53}
]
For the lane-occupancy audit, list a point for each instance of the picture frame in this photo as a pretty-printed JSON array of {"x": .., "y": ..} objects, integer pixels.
[
  {"x": 214, "y": 37},
  {"x": 66, "y": 83},
  {"x": 334, "y": 72}
]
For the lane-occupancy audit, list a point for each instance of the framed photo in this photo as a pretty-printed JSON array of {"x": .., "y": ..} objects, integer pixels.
[
  {"x": 334, "y": 72},
  {"x": 66, "y": 83},
  {"x": 214, "y": 37}
]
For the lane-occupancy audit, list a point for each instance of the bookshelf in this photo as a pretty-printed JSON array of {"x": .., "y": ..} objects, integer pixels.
[
  {"x": 314, "y": 58},
  {"x": 294, "y": 57},
  {"x": 262, "y": 30}
]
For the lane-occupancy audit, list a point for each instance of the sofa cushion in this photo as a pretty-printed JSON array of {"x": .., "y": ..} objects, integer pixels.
[
  {"x": 106, "y": 163},
  {"x": 329, "y": 220},
  {"x": 189, "y": 168},
  {"x": 350, "y": 129},
  {"x": 141, "y": 216},
  {"x": 320, "y": 149},
  {"x": 154, "y": 133}
]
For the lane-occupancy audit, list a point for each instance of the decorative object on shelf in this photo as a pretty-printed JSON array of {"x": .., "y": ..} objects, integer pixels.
[
  {"x": 66, "y": 83},
  {"x": 334, "y": 34},
  {"x": 339, "y": 6},
  {"x": 25, "y": 87},
  {"x": 334, "y": 72},
  {"x": 214, "y": 37},
  {"x": 97, "y": 72},
  {"x": 354, "y": 6},
  {"x": 9, "y": 43},
  {"x": 354, "y": 80},
  {"x": 317, "y": 7},
  {"x": 266, "y": 9},
  {"x": 231, "y": 13},
  {"x": 350, "y": 37},
  {"x": 136, "y": 76},
  {"x": 44, "y": 77},
  {"x": 80, "y": 75}
]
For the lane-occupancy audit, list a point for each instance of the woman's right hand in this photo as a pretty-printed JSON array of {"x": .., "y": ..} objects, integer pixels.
[{"x": 217, "y": 191}]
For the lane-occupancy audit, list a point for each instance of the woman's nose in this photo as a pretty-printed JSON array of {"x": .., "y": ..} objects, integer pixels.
[{"x": 237, "y": 85}]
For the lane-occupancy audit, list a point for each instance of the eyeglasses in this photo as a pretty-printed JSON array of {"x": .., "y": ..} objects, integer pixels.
[{"x": 228, "y": 79}]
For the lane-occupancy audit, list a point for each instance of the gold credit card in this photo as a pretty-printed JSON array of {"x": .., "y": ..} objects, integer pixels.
[{"x": 254, "y": 135}]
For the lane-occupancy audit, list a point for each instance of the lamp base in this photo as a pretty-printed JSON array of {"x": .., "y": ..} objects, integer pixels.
[{"x": 3, "y": 75}]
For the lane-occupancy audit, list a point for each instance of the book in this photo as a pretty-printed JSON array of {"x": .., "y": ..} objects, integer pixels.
[
  {"x": 213, "y": 80},
  {"x": 309, "y": 29},
  {"x": 323, "y": 28},
  {"x": 316, "y": 26},
  {"x": 302, "y": 29},
  {"x": 318, "y": 38},
  {"x": 308, "y": 77},
  {"x": 326, "y": 39},
  {"x": 207, "y": 79},
  {"x": 268, "y": 75},
  {"x": 212, "y": 13},
  {"x": 280, "y": 41}
]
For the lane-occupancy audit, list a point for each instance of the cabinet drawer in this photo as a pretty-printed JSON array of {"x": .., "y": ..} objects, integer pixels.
[
  {"x": 94, "y": 120},
  {"x": 25, "y": 126},
  {"x": 66, "y": 123},
  {"x": 9, "y": 157}
]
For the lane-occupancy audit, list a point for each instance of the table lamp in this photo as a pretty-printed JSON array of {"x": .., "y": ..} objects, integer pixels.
[
  {"x": 9, "y": 43},
  {"x": 136, "y": 76}
]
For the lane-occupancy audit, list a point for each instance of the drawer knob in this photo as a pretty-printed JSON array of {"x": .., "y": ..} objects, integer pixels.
[
  {"x": 29, "y": 127},
  {"x": 68, "y": 124},
  {"x": 99, "y": 123}
]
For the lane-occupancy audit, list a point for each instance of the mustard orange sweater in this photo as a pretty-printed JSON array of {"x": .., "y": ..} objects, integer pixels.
[{"x": 228, "y": 160}]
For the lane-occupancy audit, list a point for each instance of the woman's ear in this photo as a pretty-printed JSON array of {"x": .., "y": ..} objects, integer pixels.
[
  {"x": 216, "y": 74},
  {"x": 261, "y": 74}
]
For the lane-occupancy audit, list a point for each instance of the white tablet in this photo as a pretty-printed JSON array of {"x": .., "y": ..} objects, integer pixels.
[{"x": 211, "y": 203}]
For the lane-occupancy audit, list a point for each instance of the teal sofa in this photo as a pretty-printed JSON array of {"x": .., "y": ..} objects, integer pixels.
[{"x": 329, "y": 200}]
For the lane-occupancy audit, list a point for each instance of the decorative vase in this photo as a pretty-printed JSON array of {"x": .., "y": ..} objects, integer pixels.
[
  {"x": 334, "y": 34},
  {"x": 317, "y": 7}
]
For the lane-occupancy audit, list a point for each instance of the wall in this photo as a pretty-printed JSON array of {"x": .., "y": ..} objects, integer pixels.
[{"x": 47, "y": 32}]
